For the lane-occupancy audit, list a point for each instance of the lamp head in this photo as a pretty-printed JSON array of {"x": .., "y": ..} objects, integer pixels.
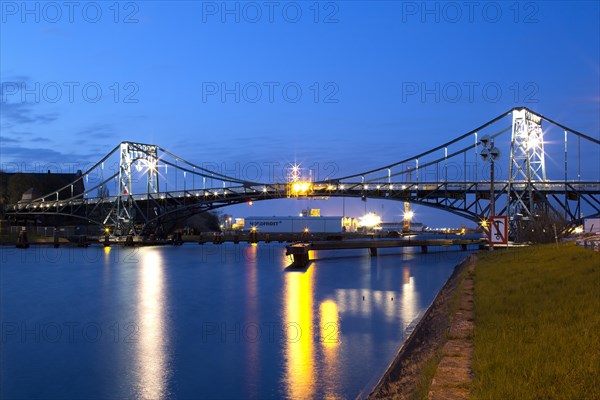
[
  {"x": 485, "y": 140},
  {"x": 485, "y": 154},
  {"x": 494, "y": 153}
]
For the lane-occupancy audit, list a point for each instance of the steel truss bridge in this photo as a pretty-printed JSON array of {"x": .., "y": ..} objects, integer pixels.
[{"x": 152, "y": 185}]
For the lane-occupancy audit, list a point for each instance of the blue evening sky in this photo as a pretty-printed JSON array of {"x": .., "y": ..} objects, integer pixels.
[{"x": 333, "y": 84}]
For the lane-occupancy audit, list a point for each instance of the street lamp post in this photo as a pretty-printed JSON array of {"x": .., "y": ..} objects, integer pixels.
[{"x": 490, "y": 153}]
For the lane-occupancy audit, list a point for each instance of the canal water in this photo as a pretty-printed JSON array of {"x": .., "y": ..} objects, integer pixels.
[{"x": 228, "y": 321}]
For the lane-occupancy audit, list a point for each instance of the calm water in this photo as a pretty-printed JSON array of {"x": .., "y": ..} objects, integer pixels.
[{"x": 227, "y": 321}]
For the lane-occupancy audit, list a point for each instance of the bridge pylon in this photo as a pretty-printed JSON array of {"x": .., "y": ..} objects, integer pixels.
[
  {"x": 142, "y": 156},
  {"x": 527, "y": 167}
]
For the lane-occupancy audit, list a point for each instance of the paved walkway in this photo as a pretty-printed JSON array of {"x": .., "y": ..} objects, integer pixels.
[{"x": 453, "y": 377}]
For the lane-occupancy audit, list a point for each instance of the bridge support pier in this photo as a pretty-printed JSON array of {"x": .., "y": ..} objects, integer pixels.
[
  {"x": 253, "y": 238},
  {"x": 22, "y": 241},
  {"x": 299, "y": 255},
  {"x": 55, "y": 238},
  {"x": 373, "y": 251},
  {"x": 301, "y": 260},
  {"x": 177, "y": 239}
]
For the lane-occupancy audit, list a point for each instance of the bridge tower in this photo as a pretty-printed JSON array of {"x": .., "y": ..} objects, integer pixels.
[
  {"x": 142, "y": 156},
  {"x": 407, "y": 217},
  {"x": 527, "y": 166}
]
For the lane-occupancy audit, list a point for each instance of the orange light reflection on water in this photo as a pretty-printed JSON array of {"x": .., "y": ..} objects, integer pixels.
[
  {"x": 299, "y": 342},
  {"x": 329, "y": 323}
]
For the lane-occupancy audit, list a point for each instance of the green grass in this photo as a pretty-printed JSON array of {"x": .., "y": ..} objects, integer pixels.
[
  {"x": 537, "y": 324},
  {"x": 426, "y": 375}
]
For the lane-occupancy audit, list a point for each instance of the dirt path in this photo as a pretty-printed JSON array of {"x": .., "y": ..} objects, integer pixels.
[{"x": 454, "y": 375}]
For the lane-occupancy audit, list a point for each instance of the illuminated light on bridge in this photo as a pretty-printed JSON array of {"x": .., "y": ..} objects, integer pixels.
[
  {"x": 534, "y": 142},
  {"x": 300, "y": 188}
]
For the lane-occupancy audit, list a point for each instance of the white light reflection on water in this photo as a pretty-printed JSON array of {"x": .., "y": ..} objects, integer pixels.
[
  {"x": 409, "y": 308},
  {"x": 151, "y": 358},
  {"x": 253, "y": 362}
]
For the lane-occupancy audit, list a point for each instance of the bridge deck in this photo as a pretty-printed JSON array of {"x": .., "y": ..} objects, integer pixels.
[{"x": 299, "y": 251}]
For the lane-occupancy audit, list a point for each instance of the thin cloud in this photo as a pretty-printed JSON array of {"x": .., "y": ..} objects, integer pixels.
[
  {"x": 23, "y": 113},
  {"x": 5, "y": 140},
  {"x": 45, "y": 155},
  {"x": 20, "y": 112},
  {"x": 98, "y": 131}
]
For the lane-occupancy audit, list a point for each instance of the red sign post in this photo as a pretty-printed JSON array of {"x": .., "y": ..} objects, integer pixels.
[{"x": 499, "y": 230}]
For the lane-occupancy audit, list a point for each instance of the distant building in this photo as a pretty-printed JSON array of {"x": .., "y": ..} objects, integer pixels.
[
  {"x": 225, "y": 221},
  {"x": 30, "y": 194},
  {"x": 16, "y": 187},
  {"x": 294, "y": 224},
  {"x": 238, "y": 224}
]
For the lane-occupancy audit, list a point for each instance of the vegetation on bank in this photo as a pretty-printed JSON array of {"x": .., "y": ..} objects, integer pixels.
[
  {"x": 537, "y": 323},
  {"x": 429, "y": 368}
]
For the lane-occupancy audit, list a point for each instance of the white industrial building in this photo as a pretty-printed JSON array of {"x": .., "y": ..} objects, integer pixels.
[{"x": 292, "y": 224}]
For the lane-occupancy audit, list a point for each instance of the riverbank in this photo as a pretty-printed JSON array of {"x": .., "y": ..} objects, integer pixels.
[
  {"x": 410, "y": 374},
  {"x": 534, "y": 333}
]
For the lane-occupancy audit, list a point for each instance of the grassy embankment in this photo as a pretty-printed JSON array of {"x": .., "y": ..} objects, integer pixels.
[{"x": 537, "y": 323}]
